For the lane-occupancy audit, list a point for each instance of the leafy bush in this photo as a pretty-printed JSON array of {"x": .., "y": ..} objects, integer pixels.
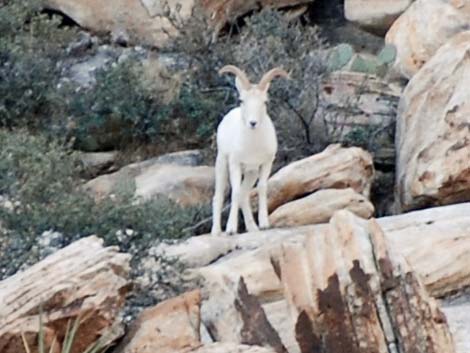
[
  {"x": 27, "y": 91},
  {"x": 28, "y": 71},
  {"x": 39, "y": 179},
  {"x": 115, "y": 111},
  {"x": 122, "y": 108}
]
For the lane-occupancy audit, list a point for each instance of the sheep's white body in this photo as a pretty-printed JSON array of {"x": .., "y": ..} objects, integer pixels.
[
  {"x": 251, "y": 147},
  {"x": 246, "y": 148}
]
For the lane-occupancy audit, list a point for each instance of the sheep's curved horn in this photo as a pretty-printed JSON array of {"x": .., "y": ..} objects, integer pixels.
[
  {"x": 270, "y": 75},
  {"x": 245, "y": 82}
]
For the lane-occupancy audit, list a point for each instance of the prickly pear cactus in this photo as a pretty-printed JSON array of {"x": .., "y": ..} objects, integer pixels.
[
  {"x": 368, "y": 65},
  {"x": 340, "y": 56},
  {"x": 343, "y": 57},
  {"x": 388, "y": 54}
]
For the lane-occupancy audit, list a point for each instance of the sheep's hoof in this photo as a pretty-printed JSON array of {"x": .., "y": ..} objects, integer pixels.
[
  {"x": 252, "y": 229},
  {"x": 231, "y": 232},
  {"x": 216, "y": 232}
]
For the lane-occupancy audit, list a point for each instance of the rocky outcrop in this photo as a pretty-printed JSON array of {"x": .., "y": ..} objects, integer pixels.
[
  {"x": 433, "y": 131},
  {"x": 82, "y": 280},
  {"x": 350, "y": 283},
  {"x": 147, "y": 21},
  {"x": 356, "y": 294},
  {"x": 137, "y": 21},
  {"x": 374, "y": 15},
  {"x": 417, "y": 235},
  {"x": 423, "y": 29},
  {"x": 171, "y": 326},
  {"x": 335, "y": 167},
  {"x": 176, "y": 177},
  {"x": 357, "y": 269},
  {"x": 319, "y": 207}
]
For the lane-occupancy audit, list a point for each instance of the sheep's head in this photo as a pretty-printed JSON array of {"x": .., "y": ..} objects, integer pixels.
[{"x": 253, "y": 96}]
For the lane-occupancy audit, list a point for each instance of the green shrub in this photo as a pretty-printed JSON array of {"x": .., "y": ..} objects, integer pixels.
[
  {"x": 117, "y": 110},
  {"x": 39, "y": 177},
  {"x": 121, "y": 109},
  {"x": 28, "y": 71}
]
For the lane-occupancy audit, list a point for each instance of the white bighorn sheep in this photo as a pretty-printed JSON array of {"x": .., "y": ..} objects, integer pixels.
[{"x": 246, "y": 147}]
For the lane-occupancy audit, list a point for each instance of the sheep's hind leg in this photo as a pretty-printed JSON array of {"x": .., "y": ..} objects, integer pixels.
[
  {"x": 235, "y": 174},
  {"x": 263, "y": 195},
  {"x": 218, "y": 200},
  {"x": 249, "y": 180}
]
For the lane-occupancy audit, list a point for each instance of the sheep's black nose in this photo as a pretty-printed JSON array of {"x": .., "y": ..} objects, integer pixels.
[{"x": 252, "y": 123}]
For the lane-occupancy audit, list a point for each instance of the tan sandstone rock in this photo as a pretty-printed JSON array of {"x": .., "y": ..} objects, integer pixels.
[
  {"x": 274, "y": 265},
  {"x": 184, "y": 184},
  {"x": 374, "y": 15},
  {"x": 433, "y": 130},
  {"x": 145, "y": 21},
  {"x": 434, "y": 241},
  {"x": 346, "y": 289},
  {"x": 140, "y": 20},
  {"x": 319, "y": 207},
  {"x": 423, "y": 29},
  {"x": 335, "y": 167},
  {"x": 82, "y": 280},
  {"x": 171, "y": 326}
]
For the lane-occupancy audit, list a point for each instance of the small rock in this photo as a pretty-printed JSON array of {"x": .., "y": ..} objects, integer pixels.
[
  {"x": 169, "y": 327},
  {"x": 49, "y": 242},
  {"x": 319, "y": 207},
  {"x": 335, "y": 167}
]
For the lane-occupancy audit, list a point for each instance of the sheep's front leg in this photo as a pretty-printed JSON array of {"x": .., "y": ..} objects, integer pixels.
[
  {"x": 249, "y": 180},
  {"x": 235, "y": 181},
  {"x": 263, "y": 219},
  {"x": 218, "y": 200}
]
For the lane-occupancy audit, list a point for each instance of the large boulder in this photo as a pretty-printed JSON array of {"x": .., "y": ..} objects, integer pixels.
[
  {"x": 177, "y": 177},
  {"x": 147, "y": 21},
  {"x": 335, "y": 167},
  {"x": 84, "y": 280},
  {"x": 433, "y": 130},
  {"x": 313, "y": 284},
  {"x": 423, "y": 29},
  {"x": 139, "y": 21},
  {"x": 374, "y": 15},
  {"x": 416, "y": 235},
  {"x": 282, "y": 269}
]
